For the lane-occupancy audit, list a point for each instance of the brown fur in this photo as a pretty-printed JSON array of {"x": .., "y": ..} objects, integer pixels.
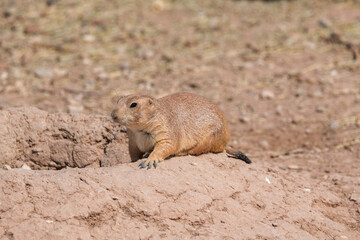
[{"x": 175, "y": 125}]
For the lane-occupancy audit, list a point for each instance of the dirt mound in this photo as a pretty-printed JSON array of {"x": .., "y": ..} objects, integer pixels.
[
  {"x": 53, "y": 141},
  {"x": 209, "y": 197}
]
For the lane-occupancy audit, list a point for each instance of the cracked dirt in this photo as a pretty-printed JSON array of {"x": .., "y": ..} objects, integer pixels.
[
  {"x": 188, "y": 197},
  {"x": 285, "y": 74},
  {"x": 55, "y": 141}
]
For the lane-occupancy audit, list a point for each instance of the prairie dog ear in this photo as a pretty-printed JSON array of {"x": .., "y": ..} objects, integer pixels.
[
  {"x": 150, "y": 102},
  {"x": 116, "y": 99}
]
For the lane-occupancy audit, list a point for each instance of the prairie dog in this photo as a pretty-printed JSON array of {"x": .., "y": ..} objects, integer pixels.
[{"x": 175, "y": 125}]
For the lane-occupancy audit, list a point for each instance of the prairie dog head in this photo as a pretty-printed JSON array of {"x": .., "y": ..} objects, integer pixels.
[{"x": 134, "y": 111}]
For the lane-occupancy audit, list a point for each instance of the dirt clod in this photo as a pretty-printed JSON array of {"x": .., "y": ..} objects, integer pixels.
[{"x": 40, "y": 140}]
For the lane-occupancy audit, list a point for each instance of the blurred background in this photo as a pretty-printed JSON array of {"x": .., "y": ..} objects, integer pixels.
[{"x": 285, "y": 73}]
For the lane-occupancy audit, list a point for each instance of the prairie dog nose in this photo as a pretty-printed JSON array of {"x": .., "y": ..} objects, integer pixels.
[{"x": 113, "y": 115}]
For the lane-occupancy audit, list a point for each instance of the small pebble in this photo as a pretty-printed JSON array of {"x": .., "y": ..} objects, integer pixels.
[
  {"x": 7, "y": 167},
  {"x": 75, "y": 109},
  {"x": 334, "y": 73},
  {"x": 51, "y": 2},
  {"x": 125, "y": 66},
  {"x": 357, "y": 99},
  {"x": 279, "y": 110},
  {"x": 88, "y": 38},
  {"x": 60, "y": 72},
  {"x": 145, "y": 54},
  {"x": 297, "y": 151},
  {"x": 300, "y": 92},
  {"x": 26, "y": 167},
  {"x": 283, "y": 167},
  {"x": 324, "y": 22},
  {"x": 267, "y": 94},
  {"x": 355, "y": 197},
  {"x": 267, "y": 180},
  {"x": 44, "y": 73},
  {"x": 86, "y": 61},
  {"x": 32, "y": 29},
  {"x": 98, "y": 69},
  {"x": 103, "y": 76},
  {"x": 293, "y": 167},
  {"x": 148, "y": 86},
  {"x": 4, "y": 75},
  {"x": 334, "y": 125},
  {"x": 90, "y": 84},
  {"x": 159, "y": 5},
  {"x": 248, "y": 64},
  {"x": 264, "y": 144},
  {"x": 297, "y": 119},
  {"x": 167, "y": 57},
  {"x": 6, "y": 13},
  {"x": 310, "y": 45},
  {"x": 244, "y": 119},
  {"x": 317, "y": 94},
  {"x": 346, "y": 91},
  {"x": 320, "y": 109}
]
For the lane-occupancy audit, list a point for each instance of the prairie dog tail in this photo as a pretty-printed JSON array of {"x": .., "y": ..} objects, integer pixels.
[{"x": 237, "y": 154}]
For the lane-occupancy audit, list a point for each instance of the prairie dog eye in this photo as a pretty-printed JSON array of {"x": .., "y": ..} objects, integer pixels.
[{"x": 132, "y": 105}]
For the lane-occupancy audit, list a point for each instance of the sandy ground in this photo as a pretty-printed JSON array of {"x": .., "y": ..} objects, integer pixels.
[{"x": 285, "y": 74}]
